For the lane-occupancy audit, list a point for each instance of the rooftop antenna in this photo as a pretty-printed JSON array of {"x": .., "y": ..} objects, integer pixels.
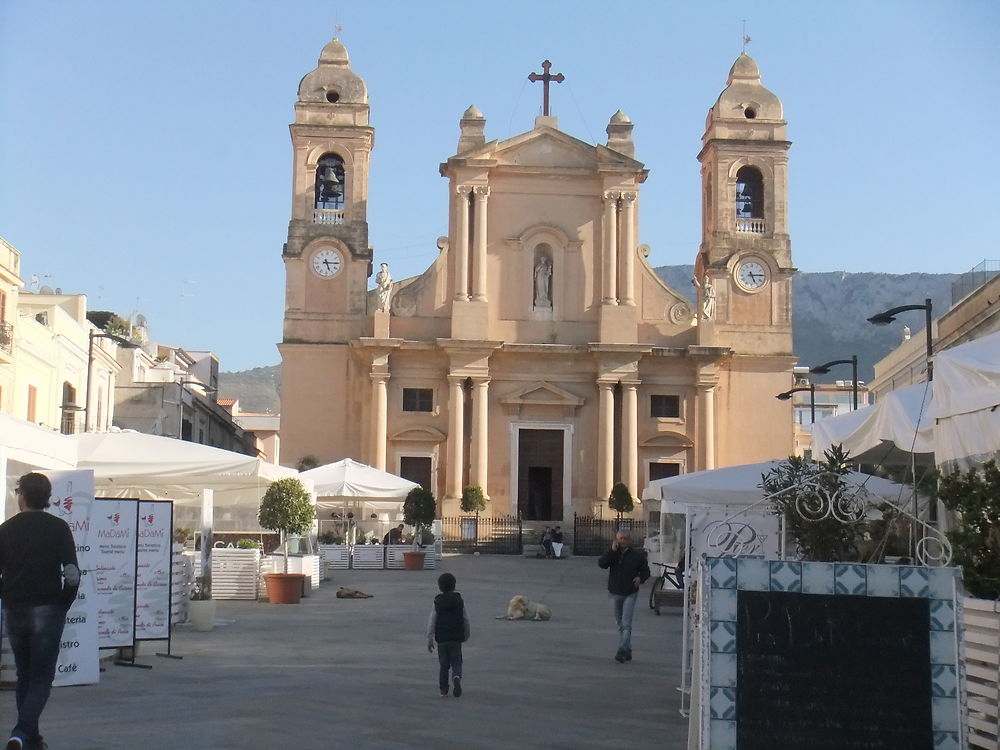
[{"x": 746, "y": 36}]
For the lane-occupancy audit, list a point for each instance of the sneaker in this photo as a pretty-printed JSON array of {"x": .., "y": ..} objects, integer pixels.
[
  {"x": 628, "y": 655},
  {"x": 620, "y": 657},
  {"x": 458, "y": 687},
  {"x": 444, "y": 692},
  {"x": 15, "y": 743}
]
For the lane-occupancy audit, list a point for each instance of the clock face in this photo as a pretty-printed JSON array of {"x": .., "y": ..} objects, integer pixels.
[
  {"x": 751, "y": 275},
  {"x": 327, "y": 263}
]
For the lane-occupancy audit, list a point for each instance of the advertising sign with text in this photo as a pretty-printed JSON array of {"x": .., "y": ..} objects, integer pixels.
[
  {"x": 73, "y": 501},
  {"x": 152, "y": 609},
  {"x": 113, "y": 534}
]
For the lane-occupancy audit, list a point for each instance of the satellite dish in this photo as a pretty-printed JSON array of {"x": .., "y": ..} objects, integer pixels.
[{"x": 45, "y": 290}]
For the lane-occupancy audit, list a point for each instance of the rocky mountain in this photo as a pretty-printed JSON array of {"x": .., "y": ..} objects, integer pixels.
[{"x": 829, "y": 321}]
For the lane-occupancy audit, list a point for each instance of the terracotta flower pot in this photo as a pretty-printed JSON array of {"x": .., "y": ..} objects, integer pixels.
[
  {"x": 413, "y": 561},
  {"x": 284, "y": 588}
]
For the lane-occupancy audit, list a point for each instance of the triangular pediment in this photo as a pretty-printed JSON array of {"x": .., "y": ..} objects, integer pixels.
[
  {"x": 546, "y": 147},
  {"x": 420, "y": 434},
  {"x": 542, "y": 393},
  {"x": 668, "y": 439}
]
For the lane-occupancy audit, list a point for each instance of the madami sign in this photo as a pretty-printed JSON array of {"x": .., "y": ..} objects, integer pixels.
[{"x": 73, "y": 500}]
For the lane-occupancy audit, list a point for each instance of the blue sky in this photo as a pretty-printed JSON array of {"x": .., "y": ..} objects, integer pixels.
[{"x": 145, "y": 159}]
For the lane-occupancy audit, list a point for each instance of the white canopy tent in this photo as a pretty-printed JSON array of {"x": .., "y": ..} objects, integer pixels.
[
  {"x": 966, "y": 397},
  {"x": 895, "y": 431},
  {"x": 24, "y": 447},
  {"x": 953, "y": 421},
  {"x": 739, "y": 486},
  {"x": 350, "y": 484},
  {"x": 132, "y": 464}
]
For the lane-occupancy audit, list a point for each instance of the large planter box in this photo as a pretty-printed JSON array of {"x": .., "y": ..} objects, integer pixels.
[
  {"x": 335, "y": 556},
  {"x": 981, "y": 651},
  {"x": 394, "y": 555},
  {"x": 368, "y": 557},
  {"x": 235, "y": 573}
]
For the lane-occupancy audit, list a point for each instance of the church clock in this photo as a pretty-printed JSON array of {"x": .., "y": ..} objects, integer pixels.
[
  {"x": 326, "y": 263},
  {"x": 751, "y": 274}
]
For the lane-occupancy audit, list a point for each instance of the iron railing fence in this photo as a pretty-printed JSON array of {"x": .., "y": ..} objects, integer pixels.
[
  {"x": 593, "y": 536},
  {"x": 496, "y": 535}
]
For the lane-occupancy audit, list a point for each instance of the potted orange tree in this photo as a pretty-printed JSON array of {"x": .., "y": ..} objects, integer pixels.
[{"x": 286, "y": 508}]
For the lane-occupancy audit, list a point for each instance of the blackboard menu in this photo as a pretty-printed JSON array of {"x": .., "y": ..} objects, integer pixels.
[{"x": 822, "y": 672}]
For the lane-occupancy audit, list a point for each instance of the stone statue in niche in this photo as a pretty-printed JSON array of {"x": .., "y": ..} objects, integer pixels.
[
  {"x": 543, "y": 282},
  {"x": 707, "y": 297},
  {"x": 383, "y": 280}
]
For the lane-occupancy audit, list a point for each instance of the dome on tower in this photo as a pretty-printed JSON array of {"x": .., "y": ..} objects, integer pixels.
[
  {"x": 744, "y": 67},
  {"x": 334, "y": 53},
  {"x": 333, "y": 81},
  {"x": 745, "y": 97}
]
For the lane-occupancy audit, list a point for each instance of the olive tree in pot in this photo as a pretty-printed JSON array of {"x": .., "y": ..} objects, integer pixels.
[
  {"x": 286, "y": 508},
  {"x": 474, "y": 501},
  {"x": 419, "y": 511}
]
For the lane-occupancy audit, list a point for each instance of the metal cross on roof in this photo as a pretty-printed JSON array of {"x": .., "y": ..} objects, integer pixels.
[{"x": 545, "y": 77}]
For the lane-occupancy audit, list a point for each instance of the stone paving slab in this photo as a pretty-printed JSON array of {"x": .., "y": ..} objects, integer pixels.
[{"x": 338, "y": 673}]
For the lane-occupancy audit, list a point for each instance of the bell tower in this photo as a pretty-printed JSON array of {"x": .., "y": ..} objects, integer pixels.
[
  {"x": 327, "y": 257},
  {"x": 744, "y": 266}
]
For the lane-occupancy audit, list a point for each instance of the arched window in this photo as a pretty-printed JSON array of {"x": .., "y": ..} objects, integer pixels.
[
  {"x": 749, "y": 194},
  {"x": 330, "y": 184}
]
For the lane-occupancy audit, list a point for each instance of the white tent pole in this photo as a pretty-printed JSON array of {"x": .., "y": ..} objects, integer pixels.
[
  {"x": 3, "y": 480},
  {"x": 207, "y": 516}
]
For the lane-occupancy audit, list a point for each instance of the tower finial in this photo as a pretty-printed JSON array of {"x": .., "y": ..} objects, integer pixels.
[{"x": 746, "y": 36}]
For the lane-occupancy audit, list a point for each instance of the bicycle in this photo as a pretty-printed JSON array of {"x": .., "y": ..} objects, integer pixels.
[{"x": 659, "y": 594}]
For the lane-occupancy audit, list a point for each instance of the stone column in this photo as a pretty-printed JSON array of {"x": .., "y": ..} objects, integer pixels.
[
  {"x": 605, "y": 440},
  {"x": 461, "y": 243},
  {"x": 456, "y": 436},
  {"x": 630, "y": 438},
  {"x": 380, "y": 427},
  {"x": 479, "y": 245},
  {"x": 627, "y": 286},
  {"x": 480, "y": 434},
  {"x": 706, "y": 398},
  {"x": 610, "y": 295}
]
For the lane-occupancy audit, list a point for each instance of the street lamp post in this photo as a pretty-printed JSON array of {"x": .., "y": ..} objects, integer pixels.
[
  {"x": 90, "y": 367},
  {"x": 887, "y": 317},
  {"x": 853, "y": 362},
  {"x": 812, "y": 398}
]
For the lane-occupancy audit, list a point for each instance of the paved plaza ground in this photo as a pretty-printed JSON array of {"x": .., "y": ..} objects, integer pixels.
[{"x": 338, "y": 673}]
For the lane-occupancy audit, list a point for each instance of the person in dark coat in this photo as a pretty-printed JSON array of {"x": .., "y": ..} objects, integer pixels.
[
  {"x": 448, "y": 626},
  {"x": 39, "y": 579},
  {"x": 627, "y": 570}
]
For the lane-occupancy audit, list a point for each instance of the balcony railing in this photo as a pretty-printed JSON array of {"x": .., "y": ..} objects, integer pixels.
[
  {"x": 750, "y": 226},
  {"x": 328, "y": 216},
  {"x": 6, "y": 336}
]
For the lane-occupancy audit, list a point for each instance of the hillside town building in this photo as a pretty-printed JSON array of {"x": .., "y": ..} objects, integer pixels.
[{"x": 539, "y": 356}]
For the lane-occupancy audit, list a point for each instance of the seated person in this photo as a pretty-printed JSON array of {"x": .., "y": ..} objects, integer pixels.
[
  {"x": 557, "y": 542},
  {"x": 394, "y": 535},
  {"x": 547, "y": 541}
]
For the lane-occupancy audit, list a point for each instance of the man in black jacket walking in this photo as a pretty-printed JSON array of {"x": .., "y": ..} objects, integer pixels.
[
  {"x": 627, "y": 570},
  {"x": 39, "y": 579}
]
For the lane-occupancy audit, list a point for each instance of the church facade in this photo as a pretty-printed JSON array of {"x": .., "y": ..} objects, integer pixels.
[{"x": 539, "y": 356}]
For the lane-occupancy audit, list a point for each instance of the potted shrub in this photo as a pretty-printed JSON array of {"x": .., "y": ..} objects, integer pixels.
[
  {"x": 473, "y": 501},
  {"x": 201, "y": 607},
  {"x": 286, "y": 508},
  {"x": 419, "y": 511},
  {"x": 621, "y": 500}
]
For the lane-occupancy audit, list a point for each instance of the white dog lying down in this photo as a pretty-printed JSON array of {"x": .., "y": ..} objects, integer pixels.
[{"x": 521, "y": 608}]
